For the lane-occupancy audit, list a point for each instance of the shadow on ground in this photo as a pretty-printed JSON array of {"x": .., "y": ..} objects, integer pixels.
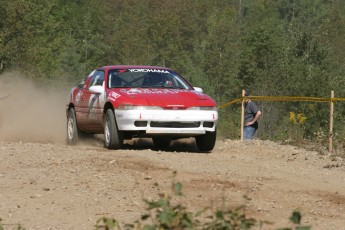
[{"x": 180, "y": 145}]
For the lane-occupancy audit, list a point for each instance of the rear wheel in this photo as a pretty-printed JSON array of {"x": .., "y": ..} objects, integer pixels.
[
  {"x": 72, "y": 128},
  {"x": 206, "y": 142},
  {"x": 161, "y": 142},
  {"x": 113, "y": 138}
]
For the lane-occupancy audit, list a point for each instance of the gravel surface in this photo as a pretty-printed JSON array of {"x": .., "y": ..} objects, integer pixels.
[
  {"x": 45, "y": 184},
  {"x": 54, "y": 186}
]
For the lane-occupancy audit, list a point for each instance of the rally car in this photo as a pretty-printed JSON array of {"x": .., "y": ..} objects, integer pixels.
[{"x": 125, "y": 102}]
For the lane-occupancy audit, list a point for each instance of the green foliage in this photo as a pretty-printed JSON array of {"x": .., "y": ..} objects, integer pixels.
[
  {"x": 165, "y": 213},
  {"x": 105, "y": 223},
  {"x": 19, "y": 227},
  {"x": 230, "y": 220},
  {"x": 296, "y": 218}
]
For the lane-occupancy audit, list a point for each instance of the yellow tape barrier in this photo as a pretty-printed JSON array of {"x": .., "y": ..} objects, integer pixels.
[{"x": 282, "y": 98}]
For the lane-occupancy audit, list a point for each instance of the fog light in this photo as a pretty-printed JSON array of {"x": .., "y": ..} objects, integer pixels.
[
  {"x": 208, "y": 124},
  {"x": 140, "y": 123}
]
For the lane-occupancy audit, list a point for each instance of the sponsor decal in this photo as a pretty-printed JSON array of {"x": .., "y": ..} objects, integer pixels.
[
  {"x": 151, "y": 91},
  {"x": 113, "y": 96},
  {"x": 148, "y": 71},
  {"x": 175, "y": 107}
]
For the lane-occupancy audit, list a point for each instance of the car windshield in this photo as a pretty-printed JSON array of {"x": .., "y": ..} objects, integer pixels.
[{"x": 146, "y": 78}]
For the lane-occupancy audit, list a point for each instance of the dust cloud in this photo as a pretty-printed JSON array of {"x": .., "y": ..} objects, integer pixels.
[{"x": 31, "y": 113}]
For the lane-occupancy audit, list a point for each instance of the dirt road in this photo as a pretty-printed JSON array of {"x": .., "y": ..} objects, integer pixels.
[
  {"x": 54, "y": 186},
  {"x": 45, "y": 184}
]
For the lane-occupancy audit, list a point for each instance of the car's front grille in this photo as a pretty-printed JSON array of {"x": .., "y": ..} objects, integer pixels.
[{"x": 158, "y": 124}]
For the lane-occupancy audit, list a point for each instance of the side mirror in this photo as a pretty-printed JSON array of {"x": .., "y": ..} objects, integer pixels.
[
  {"x": 97, "y": 89},
  {"x": 198, "y": 89}
]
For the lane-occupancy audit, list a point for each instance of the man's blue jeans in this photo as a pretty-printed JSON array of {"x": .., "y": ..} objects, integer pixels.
[{"x": 248, "y": 132}]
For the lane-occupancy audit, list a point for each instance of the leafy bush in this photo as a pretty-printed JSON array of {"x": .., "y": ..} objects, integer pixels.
[
  {"x": 164, "y": 214},
  {"x": 19, "y": 227}
]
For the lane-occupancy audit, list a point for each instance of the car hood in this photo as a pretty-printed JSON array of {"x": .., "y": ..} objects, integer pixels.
[{"x": 166, "y": 98}]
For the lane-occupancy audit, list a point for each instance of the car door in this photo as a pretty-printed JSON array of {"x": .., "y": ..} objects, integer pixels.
[
  {"x": 90, "y": 106},
  {"x": 79, "y": 103}
]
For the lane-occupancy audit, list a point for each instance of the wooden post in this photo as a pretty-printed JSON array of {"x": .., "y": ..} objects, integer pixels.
[
  {"x": 330, "y": 149},
  {"x": 242, "y": 114}
]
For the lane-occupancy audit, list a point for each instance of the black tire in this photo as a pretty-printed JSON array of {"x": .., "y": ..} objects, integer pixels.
[
  {"x": 161, "y": 142},
  {"x": 113, "y": 138},
  {"x": 206, "y": 142},
  {"x": 72, "y": 128}
]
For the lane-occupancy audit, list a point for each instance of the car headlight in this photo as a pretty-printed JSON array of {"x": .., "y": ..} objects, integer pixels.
[
  {"x": 208, "y": 108},
  {"x": 138, "y": 107}
]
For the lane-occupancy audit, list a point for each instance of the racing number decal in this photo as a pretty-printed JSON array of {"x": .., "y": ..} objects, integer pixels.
[
  {"x": 92, "y": 109},
  {"x": 96, "y": 102}
]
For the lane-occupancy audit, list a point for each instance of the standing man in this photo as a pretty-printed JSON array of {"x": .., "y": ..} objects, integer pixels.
[{"x": 251, "y": 116}]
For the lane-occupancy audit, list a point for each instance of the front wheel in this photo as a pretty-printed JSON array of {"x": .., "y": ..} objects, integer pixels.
[
  {"x": 206, "y": 142},
  {"x": 72, "y": 128},
  {"x": 113, "y": 138}
]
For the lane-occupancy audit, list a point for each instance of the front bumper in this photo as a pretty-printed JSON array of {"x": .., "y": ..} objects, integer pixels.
[{"x": 175, "y": 122}]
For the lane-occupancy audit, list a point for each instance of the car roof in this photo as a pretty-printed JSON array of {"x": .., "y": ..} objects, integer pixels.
[{"x": 132, "y": 66}]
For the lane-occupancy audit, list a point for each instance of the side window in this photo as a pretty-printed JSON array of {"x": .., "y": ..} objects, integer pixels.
[
  {"x": 82, "y": 83},
  {"x": 97, "y": 78},
  {"x": 114, "y": 80},
  {"x": 85, "y": 82}
]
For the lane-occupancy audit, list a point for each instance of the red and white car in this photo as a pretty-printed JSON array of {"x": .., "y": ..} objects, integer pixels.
[{"x": 124, "y": 102}]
